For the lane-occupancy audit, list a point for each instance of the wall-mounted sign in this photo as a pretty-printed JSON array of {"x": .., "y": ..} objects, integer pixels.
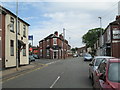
[
  {"x": 30, "y": 37},
  {"x": 116, "y": 34}
]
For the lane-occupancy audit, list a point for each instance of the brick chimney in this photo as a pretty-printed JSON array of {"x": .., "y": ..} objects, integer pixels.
[
  {"x": 118, "y": 17},
  {"x": 61, "y": 36},
  {"x": 56, "y": 33}
]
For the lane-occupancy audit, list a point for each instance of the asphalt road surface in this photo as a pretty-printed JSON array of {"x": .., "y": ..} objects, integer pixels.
[{"x": 70, "y": 73}]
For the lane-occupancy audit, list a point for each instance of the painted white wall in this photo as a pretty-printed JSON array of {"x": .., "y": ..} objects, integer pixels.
[{"x": 12, "y": 36}]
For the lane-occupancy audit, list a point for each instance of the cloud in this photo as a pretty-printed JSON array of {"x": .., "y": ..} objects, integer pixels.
[{"x": 76, "y": 18}]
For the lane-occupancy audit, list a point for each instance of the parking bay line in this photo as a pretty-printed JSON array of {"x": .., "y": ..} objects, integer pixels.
[{"x": 55, "y": 82}]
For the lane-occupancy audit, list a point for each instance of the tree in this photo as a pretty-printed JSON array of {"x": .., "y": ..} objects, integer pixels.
[
  {"x": 91, "y": 37},
  {"x": 73, "y": 50}
]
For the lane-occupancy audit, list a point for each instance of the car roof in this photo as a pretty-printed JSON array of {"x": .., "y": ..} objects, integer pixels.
[
  {"x": 103, "y": 57},
  {"x": 114, "y": 60}
]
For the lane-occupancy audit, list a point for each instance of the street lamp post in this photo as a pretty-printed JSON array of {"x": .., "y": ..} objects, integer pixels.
[
  {"x": 17, "y": 35},
  {"x": 64, "y": 43},
  {"x": 100, "y": 33}
]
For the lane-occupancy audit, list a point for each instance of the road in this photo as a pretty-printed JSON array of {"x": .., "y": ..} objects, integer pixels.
[{"x": 70, "y": 73}]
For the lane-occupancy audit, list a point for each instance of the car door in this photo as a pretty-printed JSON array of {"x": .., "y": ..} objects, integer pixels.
[
  {"x": 101, "y": 70},
  {"x": 92, "y": 66}
]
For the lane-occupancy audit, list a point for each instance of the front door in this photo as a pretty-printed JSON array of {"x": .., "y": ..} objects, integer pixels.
[{"x": 55, "y": 55}]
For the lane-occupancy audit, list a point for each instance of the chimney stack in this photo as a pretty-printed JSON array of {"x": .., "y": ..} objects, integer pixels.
[
  {"x": 61, "y": 36},
  {"x": 56, "y": 33},
  {"x": 118, "y": 17}
]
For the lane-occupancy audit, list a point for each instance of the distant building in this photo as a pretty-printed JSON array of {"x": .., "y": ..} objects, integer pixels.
[
  {"x": 8, "y": 39},
  {"x": 54, "y": 47},
  {"x": 82, "y": 50},
  {"x": 34, "y": 50}
]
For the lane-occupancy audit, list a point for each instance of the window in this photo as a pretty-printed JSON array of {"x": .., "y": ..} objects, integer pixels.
[
  {"x": 18, "y": 27},
  {"x": 113, "y": 72},
  {"x": 24, "y": 30},
  {"x": 48, "y": 42},
  {"x": 24, "y": 50},
  {"x": 55, "y": 41},
  {"x": 48, "y": 52},
  {"x": 102, "y": 67},
  {"x": 40, "y": 52},
  {"x": 98, "y": 60},
  {"x": 40, "y": 44},
  {"x": 11, "y": 47},
  {"x": 12, "y": 24}
]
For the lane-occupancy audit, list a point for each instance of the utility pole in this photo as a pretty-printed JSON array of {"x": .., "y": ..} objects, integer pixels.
[
  {"x": 17, "y": 35},
  {"x": 119, "y": 8},
  {"x": 64, "y": 43},
  {"x": 100, "y": 34}
]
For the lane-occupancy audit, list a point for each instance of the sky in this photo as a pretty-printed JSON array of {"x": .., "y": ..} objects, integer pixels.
[{"x": 77, "y": 18}]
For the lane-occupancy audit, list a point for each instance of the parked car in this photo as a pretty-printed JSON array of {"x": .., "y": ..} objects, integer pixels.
[
  {"x": 75, "y": 55},
  {"x": 31, "y": 58},
  {"x": 87, "y": 57},
  {"x": 35, "y": 56},
  {"x": 108, "y": 75},
  {"x": 94, "y": 65}
]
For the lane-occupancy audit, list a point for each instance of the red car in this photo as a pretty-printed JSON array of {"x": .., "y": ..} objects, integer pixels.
[{"x": 108, "y": 74}]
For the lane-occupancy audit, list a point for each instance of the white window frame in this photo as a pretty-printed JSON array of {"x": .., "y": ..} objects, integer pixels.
[
  {"x": 40, "y": 44},
  {"x": 48, "y": 42},
  {"x": 48, "y": 52},
  {"x": 53, "y": 41},
  {"x": 12, "y": 24},
  {"x": 41, "y": 52},
  {"x": 24, "y": 30},
  {"x": 11, "y": 48}
]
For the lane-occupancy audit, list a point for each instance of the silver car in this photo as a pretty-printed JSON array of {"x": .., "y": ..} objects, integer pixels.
[{"x": 94, "y": 65}]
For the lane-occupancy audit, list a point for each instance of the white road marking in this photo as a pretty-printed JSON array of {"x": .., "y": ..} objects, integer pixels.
[
  {"x": 52, "y": 62},
  {"x": 55, "y": 82}
]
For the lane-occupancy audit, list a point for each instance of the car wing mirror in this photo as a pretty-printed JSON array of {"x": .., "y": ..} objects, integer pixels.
[{"x": 90, "y": 64}]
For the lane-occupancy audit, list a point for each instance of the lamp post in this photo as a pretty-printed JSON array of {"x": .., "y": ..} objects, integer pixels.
[
  {"x": 64, "y": 43},
  {"x": 100, "y": 34},
  {"x": 17, "y": 35}
]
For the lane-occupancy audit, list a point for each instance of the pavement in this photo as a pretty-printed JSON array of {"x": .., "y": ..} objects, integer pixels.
[{"x": 12, "y": 72}]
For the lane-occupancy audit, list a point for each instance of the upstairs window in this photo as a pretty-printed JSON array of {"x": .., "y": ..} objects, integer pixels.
[
  {"x": 40, "y": 52},
  {"x": 11, "y": 47},
  {"x": 48, "y": 42},
  {"x": 54, "y": 41},
  {"x": 12, "y": 24},
  {"x": 24, "y": 30}
]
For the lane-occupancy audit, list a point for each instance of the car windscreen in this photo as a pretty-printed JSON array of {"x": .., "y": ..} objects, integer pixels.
[
  {"x": 87, "y": 55},
  {"x": 98, "y": 60},
  {"x": 114, "y": 72}
]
